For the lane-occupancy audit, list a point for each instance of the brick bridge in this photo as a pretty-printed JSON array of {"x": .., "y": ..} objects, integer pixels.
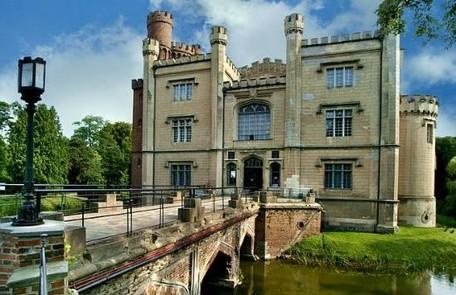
[{"x": 189, "y": 256}]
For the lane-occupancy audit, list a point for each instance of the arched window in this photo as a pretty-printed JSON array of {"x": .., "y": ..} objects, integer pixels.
[
  {"x": 254, "y": 122},
  {"x": 275, "y": 175},
  {"x": 231, "y": 174}
]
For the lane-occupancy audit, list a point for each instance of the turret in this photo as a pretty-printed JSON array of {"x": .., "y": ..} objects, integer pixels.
[
  {"x": 293, "y": 26},
  {"x": 218, "y": 39},
  {"x": 418, "y": 114},
  {"x": 160, "y": 28}
]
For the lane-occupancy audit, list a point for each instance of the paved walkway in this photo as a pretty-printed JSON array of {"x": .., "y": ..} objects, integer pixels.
[{"x": 102, "y": 225}]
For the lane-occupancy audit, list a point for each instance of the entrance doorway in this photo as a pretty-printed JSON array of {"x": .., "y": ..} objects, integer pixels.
[{"x": 253, "y": 173}]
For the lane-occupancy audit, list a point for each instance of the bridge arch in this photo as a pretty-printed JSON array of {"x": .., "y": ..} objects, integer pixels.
[{"x": 219, "y": 272}]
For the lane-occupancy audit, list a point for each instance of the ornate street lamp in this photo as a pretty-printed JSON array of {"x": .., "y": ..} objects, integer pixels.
[{"x": 31, "y": 86}]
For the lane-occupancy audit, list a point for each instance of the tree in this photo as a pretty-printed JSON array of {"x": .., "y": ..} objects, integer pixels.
[
  {"x": 88, "y": 129},
  {"x": 114, "y": 148},
  {"x": 430, "y": 19},
  {"x": 50, "y": 146},
  {"x": 84, "y": 163},
  {"x": 4, "y": 175},
  {"x": 5, "y": 116},
  {"x": 445, "y": 148}
]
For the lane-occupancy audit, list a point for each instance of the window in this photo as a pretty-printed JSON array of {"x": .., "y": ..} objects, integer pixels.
[
  {"x": 338, "y": 176},
  {"x": 275, "y": 154},
  {"x": 275, "y": 175},
  {"x": 231, "y": 155},
  {"x": 231, "y": 174},
  {"x": 182, "y": 130},
  {"x": 430, "y": 133},
  {"x": 254, "y": 122},
  {"x": 181, "y": 174},
  {"x": 183, "y": 91},
  {"x": 338, "y": 123},
  {"x": 339, "y": 77}
]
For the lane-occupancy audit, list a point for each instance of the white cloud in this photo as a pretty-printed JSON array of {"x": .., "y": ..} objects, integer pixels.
[
  {"x": 432, "y": 66},
  {"x": 88, "y": 72}
]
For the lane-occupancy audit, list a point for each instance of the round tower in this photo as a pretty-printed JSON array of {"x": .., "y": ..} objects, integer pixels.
[
  {"x": 418, "y": 114},
  {"x": 160, "y": 28}
]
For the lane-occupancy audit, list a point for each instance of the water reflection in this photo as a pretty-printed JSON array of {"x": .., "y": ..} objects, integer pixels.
[{"x": 276, "y": 277}]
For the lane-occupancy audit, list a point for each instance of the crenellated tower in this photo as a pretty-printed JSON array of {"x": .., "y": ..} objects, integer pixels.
[
  {"x": 418, "y": 115},
  {"x": 160, "y": 28}
]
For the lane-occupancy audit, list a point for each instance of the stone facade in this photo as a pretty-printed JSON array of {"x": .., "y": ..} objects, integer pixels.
[{"x": 334, "y": 104}]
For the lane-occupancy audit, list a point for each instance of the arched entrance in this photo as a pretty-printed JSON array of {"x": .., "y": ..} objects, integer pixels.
[
  {"x": 246, "y": 250},
  {"x": 217, "y": 274},
  {"x": 253, "y": 173}
]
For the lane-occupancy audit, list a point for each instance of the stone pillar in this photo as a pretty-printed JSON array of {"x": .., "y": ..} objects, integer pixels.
[
  {"x": 389, "y": 155},
  {"x": 150, "y": 54},
  {"x": 193, "y": 210},
  {"x": 235, "y": 201},
  {"x": 20, "y": 250},
  {"x": 218, "y": 41}
]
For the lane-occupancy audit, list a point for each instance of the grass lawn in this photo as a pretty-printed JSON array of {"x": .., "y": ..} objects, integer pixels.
[
  {"x": 409, "y": 250},
  {"x": 10, "y": 204}
]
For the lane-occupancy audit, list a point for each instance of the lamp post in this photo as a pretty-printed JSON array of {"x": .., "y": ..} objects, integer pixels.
[{"x": 31, "y": 86}]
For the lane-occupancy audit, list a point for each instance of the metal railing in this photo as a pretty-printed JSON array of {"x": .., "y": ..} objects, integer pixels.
[{"x": 110, "y": 211}]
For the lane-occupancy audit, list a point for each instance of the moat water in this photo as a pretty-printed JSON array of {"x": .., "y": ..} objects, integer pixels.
[{"x": 284, "y": 278}]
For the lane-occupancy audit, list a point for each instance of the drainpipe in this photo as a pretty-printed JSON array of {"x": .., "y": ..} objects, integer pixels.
[{"x": 380, "y": 92}]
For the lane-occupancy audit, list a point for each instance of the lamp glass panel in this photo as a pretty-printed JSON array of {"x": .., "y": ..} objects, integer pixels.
[
  {"x": 39, "y": 78},
  {"x": 27, "y": 75}
]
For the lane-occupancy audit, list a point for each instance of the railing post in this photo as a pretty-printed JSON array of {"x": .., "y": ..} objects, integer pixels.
[
  {"x": 223, "y": 200},
  {"x": 43, "y": 266},
  {"x": 82, "y": 213},
  {"x": 131, "y": 216}
]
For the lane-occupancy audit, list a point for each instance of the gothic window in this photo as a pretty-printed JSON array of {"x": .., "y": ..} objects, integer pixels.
[
  {"x": 231, "y": 174},
  {"x": 338, "y": 176},
  {"x": 181, "y": 174},
  {"x": 182, "y": 130},
  {"x": 339, "y": 77},
  {"x": 339, "y": 122},
  {"x": 275, "y": 175},
  {"x": 182, "y": 91},
  {"x": 254, "y": 122}
]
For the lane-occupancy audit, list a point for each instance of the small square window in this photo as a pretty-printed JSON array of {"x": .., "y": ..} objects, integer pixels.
[
  {"x": 231, "y": 155},
  {"x": 275, "y": 154}
]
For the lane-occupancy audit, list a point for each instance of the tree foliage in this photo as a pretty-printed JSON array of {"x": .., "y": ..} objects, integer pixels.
[
  {"x": 445, "y": 148},
  {"x": 432, "y": 19},
  {"x": 88, "y": 129},
  {"x": 84, "y": 163},
  {"x": 50, "y": 146},
  {"x": 115, "y": 150}
]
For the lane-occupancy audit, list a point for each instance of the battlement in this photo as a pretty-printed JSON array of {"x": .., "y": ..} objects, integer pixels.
[
  {"x": 186, "y": 48},
  {"x": 266, "y": 67},
  {"x": 218, "y": 30},
  {"x": 136, "y": 84},
  {"x": 419, "y": 104},
  {"x": 293, "y": 23},
  {"x": 149, "y": 42},
  {"x": 366, "y": 35},
  {"x": 160, "y": 15},
  {"x": 182, "y": 60},
  {"x": 231, "y": 64},
  {"x": 254, "y": 82}
]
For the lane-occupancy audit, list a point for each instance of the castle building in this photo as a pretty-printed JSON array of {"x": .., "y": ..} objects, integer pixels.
[{"x": 330, "y": 118}]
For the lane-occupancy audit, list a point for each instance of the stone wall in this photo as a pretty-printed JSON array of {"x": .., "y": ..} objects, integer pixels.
[{"x": 280, "y": 225}]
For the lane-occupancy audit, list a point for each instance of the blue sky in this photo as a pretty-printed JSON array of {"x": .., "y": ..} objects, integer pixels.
[{"x": 93, "y": 48}]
